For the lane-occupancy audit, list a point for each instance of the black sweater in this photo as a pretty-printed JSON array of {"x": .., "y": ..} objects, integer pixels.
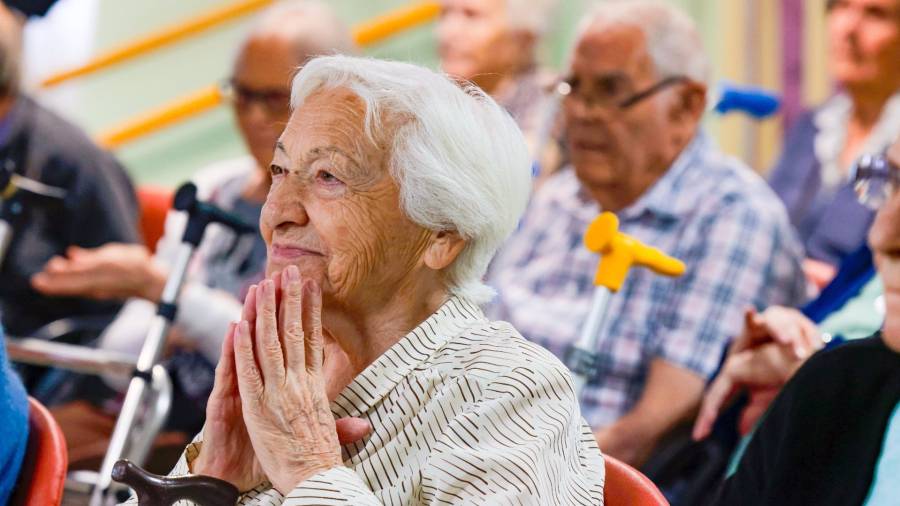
[{"x": 821, "y": 439}]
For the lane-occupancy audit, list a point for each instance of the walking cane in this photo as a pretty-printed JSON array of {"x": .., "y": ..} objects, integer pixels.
[
  {"x": 148, "y": 376},
  {"x": 618, "y": 253}
]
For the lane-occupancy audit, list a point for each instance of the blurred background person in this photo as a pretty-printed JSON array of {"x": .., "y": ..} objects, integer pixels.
[
  {"x": 284, "y": 38},
  {"x": 95, "y": 204},
  {"x": 832, "y": 436},
  {"x": 637, "y": 94},
  {"x": 862, "y": 117},
  {"x": 494, "y": 44}
]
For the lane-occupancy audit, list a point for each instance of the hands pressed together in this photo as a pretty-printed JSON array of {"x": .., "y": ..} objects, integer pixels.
[
  {"x": 268, "y": 416},
  {"x": 773, "y": 345}
]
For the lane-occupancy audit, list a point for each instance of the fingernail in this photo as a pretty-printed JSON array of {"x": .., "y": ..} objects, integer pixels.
[
  {"x": 244, "y": 327},
  {"x": 293, "y": 273}
]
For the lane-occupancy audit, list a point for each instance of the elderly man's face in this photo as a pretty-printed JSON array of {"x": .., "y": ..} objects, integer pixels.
[
  {"x": 613, "y": 148},
  {"x": 475, "y": 39},
  {"x": 864, "y": 38},
  {"x": 884, "y": 236},
  {"x": 333, "y": 209},
  {"x": 262, "y": 91}
]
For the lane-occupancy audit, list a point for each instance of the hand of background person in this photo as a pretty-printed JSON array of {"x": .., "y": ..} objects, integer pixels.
[
  {"x": 771, "y": 347},
  {"x": 112, "y": 271}
]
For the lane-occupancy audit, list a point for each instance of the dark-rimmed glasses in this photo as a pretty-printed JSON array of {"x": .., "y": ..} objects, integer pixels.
[
  {"x": 609, "y": 95},
  {"x": 275, "y": 102}
]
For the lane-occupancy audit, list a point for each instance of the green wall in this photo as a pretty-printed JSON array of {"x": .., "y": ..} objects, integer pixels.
[{"x": 169, "y": 157}]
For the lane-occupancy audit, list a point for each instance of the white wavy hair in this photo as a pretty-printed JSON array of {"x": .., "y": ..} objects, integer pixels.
[
  {"x": 458, "y": 158},
  {"x": 672, "y": 37}
]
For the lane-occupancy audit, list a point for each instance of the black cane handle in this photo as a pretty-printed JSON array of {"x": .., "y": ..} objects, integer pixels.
[{"x": 155, "y": 490}]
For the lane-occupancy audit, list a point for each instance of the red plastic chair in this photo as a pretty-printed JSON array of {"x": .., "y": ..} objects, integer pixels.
[
  {"x": 43, "y": 472},
  {"x": 626, "y": 486},
  {"x": 155, "y": 203}
]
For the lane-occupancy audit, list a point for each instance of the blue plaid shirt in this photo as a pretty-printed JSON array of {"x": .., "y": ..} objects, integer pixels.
[{"x": 708, "y": 210}]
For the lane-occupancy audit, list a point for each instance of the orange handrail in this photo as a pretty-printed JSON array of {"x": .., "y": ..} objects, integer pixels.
[
  {"x": 203, "y": 100},
  {"x": 159, "y": 39}
]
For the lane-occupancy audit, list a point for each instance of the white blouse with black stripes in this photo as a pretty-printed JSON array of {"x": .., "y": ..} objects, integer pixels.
[{"x": 464, "y": 411}]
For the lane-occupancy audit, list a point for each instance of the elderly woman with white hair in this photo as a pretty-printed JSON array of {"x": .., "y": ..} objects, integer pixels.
[{"x": 391, "y": 189}]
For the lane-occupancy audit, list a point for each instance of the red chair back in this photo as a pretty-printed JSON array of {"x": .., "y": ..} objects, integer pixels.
[
  {"x": 43, "y": 473},
  {"x": 155, "y": 203},
  {"x": 626, "y": 486}
]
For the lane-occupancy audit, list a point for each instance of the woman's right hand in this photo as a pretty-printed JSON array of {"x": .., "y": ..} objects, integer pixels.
[{"x": 226, "y": 452}]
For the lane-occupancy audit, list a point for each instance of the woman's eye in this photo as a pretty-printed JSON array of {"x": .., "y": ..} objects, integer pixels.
[
  {"x": 276, "y": 170},
  {"x": 327, "y": 177}
]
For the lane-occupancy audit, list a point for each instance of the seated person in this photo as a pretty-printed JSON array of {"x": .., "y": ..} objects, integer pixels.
[
  {"x": 224, "y": 267},
  {"x": 392, "y": 188},
  {"x": 811, "y": 177},
  {"x": 98, "y": 207},
  {"x": 832, "y": 436},
  {"x": 638, "y": 93},
  {"x": 14, "y": 420},
  {"x": 493, "y": 43},
  {"x": 776, "y": 342}
]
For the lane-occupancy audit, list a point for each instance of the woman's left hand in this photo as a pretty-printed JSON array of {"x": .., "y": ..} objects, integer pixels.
[{"x": 279, "y": 367}]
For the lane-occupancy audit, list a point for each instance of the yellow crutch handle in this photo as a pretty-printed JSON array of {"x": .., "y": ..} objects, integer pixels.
[{"x": 620, "y": 252}]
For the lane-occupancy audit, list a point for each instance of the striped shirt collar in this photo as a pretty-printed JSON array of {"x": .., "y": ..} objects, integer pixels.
[{"x": 381, "y": 376}]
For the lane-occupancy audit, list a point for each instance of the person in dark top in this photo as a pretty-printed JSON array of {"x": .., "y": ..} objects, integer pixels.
[
  {"x": 86, "y": 199},
  {"x": 863, "y": 116},
  {"x": 832, "y": 436}
]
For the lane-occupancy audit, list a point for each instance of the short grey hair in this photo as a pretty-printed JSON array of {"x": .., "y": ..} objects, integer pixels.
[
  {"x": 10, "y": 52},
  {"x": 458, "y": 158},
  {"x": 533, "y": 16},
  {"x": 672, "y": 38},
  {"x": 311, "y": 26}
]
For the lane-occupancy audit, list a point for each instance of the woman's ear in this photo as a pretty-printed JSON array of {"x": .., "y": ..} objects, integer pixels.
[{"x": 444, "y": 248}]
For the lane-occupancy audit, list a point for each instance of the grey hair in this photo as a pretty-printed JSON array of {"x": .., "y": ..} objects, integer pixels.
[
  {"x": 10, "y": 53},
  {"x": 672, "y": 38},
  {"x": 532, "y": 16},
  {"x": 458, "y": 158},
  {"x": 312, "y": 26}
]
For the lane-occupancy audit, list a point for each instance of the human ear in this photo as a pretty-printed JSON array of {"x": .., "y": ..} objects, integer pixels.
[{"x": 444, "y": 248}]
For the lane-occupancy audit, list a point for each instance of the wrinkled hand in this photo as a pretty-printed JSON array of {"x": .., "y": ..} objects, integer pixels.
[
  {"x": 227, "y": 453},
  {"x": 772, "y": 346},
  {"x": 112, "y": 271},
  {"x": 279, "y": 359}
]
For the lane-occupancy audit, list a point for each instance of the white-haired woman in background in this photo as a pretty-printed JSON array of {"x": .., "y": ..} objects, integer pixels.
[{"x": 391, "y": 189}]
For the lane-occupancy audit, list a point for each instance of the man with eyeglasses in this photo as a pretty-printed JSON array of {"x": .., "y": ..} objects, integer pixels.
[
  {"x": 633, "y": 103},
  {"x": 832, "y": 435},
  {"x": 224, "y": 266}
]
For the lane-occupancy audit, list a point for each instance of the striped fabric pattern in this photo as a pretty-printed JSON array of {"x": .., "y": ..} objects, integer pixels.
[{"x": 464, "y": 411}]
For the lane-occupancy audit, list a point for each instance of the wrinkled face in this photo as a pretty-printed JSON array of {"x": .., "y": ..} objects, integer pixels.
[
  {"x": 475, "y": 38},
  {"x": 262, "y": 91},
  {"x": 609, "y": 146},
  {"x": 884, "y": 236},
  {"x": 333, "y": 209},
  {"x": 864, "y": 39}
]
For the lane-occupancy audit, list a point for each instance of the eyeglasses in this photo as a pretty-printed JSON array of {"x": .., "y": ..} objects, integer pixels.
[
  {"x": 275, "y": 102},
  {"x": 875, "y": 180},
  {"x": 611, "y": 91}
]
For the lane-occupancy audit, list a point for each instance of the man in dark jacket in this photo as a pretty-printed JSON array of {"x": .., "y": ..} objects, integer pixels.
[{"x": 84, "y": 198}]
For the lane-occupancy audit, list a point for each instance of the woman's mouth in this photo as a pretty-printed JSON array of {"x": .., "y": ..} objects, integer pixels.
[{"x": 289, "y": 252}]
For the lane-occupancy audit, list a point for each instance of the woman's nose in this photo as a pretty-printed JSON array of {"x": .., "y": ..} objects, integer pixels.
[{"x": 285, "y": 205}]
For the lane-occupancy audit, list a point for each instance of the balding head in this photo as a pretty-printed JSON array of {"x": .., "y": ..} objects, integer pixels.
[
  {"x": 281, "y": 41},
  {"x": 671, "y": 37}
]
